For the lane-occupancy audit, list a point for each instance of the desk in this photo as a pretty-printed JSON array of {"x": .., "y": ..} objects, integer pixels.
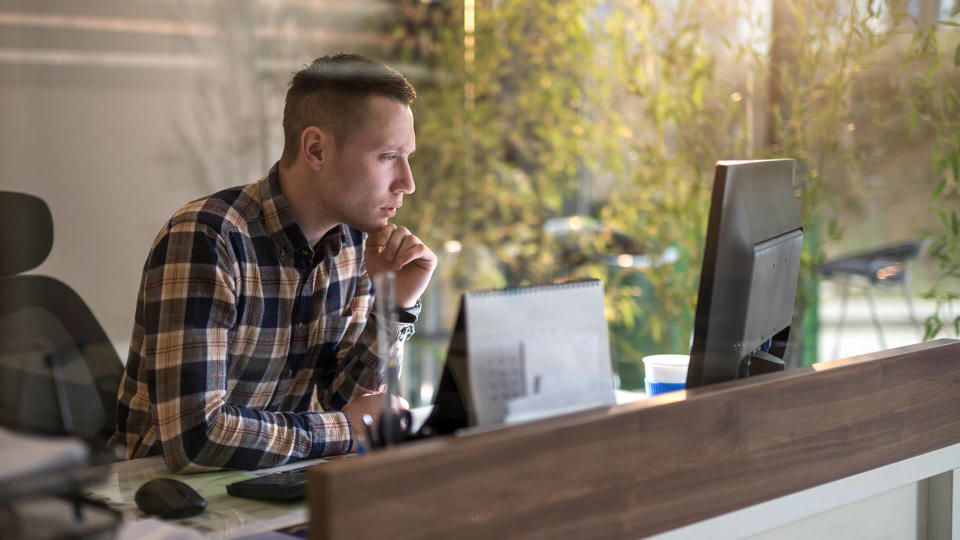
[
  {"x": 677, "y": 461},
  {"x": 225, "y": 516}
]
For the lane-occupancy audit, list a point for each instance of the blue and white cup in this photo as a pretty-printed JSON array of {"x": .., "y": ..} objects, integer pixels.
[{"x": 665, "y": 372}]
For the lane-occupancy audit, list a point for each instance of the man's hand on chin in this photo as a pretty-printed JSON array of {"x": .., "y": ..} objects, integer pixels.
[{"x": 395, "y": 248}]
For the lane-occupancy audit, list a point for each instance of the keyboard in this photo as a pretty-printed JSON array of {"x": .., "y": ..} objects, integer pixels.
[{"x": 286, "y": 485}]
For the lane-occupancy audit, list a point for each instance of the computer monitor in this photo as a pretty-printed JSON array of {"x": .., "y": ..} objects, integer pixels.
[{"x": 748, "y": 281}]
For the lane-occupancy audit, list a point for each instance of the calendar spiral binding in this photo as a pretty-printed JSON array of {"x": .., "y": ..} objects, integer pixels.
[{"x": 531, "y": 289}]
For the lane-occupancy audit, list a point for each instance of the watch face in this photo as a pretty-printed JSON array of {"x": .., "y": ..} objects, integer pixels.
[{"x": 405, "y": 332}]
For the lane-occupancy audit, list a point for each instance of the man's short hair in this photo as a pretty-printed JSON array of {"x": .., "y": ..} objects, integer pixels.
[{"x": 331, "y": 94}]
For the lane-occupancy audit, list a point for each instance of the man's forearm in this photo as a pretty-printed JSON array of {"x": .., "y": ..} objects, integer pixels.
[
  {"x": 243, "y": 438},
  {"x": 361, "y": 365}
]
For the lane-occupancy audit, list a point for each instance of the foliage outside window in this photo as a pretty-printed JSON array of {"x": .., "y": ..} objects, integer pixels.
[
  {"x": 932, "y": 102},
  {"x": 615, "y": 112}
]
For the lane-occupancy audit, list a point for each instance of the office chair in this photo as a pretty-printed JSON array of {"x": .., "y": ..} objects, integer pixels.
[{"x": 59, "y": 374}]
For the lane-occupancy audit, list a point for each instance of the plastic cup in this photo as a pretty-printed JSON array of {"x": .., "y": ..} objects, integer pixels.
[{"x": 665, "y": 372}]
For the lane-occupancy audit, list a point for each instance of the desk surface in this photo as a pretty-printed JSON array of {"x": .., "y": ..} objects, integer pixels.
[{"x": 225, "y": 516}]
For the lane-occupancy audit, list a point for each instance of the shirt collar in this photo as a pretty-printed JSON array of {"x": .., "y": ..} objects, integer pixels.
[{"x": 282, "y": 226}]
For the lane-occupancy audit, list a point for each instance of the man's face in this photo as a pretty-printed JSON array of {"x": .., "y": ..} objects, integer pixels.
[{"x": 365, "y": 183}]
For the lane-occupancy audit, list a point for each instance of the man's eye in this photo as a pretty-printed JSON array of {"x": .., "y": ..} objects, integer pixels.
[{"x": 389, "y": 157}]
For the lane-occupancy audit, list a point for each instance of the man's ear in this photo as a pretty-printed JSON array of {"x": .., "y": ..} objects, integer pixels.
[{"x": 316, "y": 147}]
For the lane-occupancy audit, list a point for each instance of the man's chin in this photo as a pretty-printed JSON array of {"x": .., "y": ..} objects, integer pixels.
[{"x": 370, "y": 227}]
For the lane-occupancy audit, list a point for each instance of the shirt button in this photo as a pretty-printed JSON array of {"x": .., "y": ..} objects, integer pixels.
[{"x": 289, "y": 372}]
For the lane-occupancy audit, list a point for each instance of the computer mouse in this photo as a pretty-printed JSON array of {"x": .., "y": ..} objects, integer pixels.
[{"x": 169, "y": 499}]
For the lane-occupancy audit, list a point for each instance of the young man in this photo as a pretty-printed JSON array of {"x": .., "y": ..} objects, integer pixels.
[{"x": 253, "y": 297}]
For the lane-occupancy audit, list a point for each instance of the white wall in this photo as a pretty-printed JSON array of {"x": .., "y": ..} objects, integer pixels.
[
  {"x": 118, "y": 112},
  {"x": 112, "y": 162}
]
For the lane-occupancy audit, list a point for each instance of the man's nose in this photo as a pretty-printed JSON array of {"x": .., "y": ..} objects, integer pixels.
[{"x": 405, "y": 183}]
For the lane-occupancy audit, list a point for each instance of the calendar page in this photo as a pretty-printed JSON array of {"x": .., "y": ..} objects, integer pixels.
[{"x": 534, "y": 340}]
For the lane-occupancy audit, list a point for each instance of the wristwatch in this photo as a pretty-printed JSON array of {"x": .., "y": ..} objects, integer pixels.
[
  {"x": 407, "y": 317},
  {"x": 406, "y": 332}
]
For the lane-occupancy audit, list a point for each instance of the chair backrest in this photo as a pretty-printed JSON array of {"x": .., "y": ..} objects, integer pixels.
[
  {"x": 59, "y": 372},
  {"x": 26, "y": 232}
]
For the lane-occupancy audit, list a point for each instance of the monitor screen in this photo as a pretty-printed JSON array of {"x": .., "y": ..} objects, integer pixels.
[{"x": 748, "y": 281}]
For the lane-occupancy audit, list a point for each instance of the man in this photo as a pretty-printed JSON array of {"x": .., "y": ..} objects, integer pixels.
[{"x": 253, "y": 297}]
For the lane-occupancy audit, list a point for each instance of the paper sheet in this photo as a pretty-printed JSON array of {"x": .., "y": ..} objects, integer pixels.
[{"x": 562, "y": 376}]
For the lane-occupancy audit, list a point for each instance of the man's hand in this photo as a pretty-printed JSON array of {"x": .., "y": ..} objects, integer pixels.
[
  {"x": 396, "y": 248},
  {"x": 371, "y": 404}
]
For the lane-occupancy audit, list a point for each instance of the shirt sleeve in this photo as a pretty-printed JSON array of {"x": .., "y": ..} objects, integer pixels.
[
  {"x": 190, "y": 305},
  {"x": 359, "y": 366}
]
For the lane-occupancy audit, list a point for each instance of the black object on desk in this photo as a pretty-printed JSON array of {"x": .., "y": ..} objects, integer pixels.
[
  {"x": 169, "y": 499},
  {"x": 748, "y": 281},
  {"x": 287, "y": 485}
]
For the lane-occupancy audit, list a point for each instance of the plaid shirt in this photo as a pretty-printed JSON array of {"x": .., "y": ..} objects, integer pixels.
[{"x": 238, "y": 320}]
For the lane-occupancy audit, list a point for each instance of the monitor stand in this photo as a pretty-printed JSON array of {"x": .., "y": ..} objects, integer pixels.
[{"x": 760, "y": 362}]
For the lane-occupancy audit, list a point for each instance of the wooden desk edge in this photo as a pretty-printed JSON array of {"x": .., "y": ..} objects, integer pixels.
[{"x": 824, "y": 422}]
